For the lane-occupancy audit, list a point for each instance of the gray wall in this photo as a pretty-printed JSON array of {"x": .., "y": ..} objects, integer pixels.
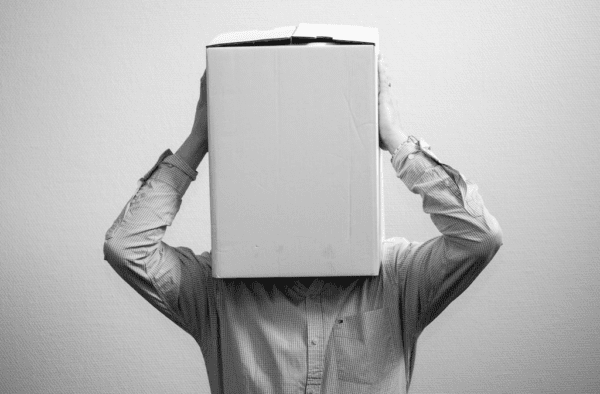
[{"x": 92, "y": 92}]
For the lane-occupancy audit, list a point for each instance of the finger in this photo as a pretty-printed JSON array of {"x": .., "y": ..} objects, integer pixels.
[
  {"x": 384, "y": 79},
  {"x": 203, "y": 88}
]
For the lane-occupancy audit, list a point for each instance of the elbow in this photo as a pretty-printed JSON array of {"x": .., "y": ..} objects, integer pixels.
[
  {"x": 496, "y": 235},
  {"x": 114, "y": 253},
  {"x": 122, "y": 258},
  {"x": 120, "y": 253},
  {"x": 491, "y": 241},
  {"x": 126, "y": 253}
]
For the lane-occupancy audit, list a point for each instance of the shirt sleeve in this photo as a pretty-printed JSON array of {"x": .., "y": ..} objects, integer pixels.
[
  {"x": 173, "y": 280},
  {"x": 430, "y": 275}
]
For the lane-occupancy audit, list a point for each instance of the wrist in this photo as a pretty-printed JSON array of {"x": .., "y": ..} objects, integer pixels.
[
  {"x": 393, "y": 143},
  {"x": 199, "y": 139},
  {"x": 193, "y": 150}
]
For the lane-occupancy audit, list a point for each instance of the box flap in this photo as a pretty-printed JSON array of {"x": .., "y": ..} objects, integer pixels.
[
  {"x": 338, "y": 33},
  {"x": 303, "y": 33},
  {"x": 253, "y": 36}
]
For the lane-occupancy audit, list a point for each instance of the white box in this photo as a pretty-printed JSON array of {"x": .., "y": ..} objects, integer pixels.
[{"x": 294, "y": 158}]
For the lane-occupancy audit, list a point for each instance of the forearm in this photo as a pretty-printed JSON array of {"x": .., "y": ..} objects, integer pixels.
[
  {"x": 195, "y": 147},
  {"x": 455, "y": 206},
  {"x": 193, "y": 150},
  {"x": 137, "y": 232}
]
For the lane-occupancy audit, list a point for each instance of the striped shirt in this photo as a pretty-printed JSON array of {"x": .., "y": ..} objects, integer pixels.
[{"x": 339, "y": 335}]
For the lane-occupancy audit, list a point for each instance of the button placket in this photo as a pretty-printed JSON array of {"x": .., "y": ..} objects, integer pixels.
[{"x": 315, "y": 344}]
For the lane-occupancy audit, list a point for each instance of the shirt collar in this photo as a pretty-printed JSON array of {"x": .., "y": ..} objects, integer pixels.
[{"x": 315, "y": 288}]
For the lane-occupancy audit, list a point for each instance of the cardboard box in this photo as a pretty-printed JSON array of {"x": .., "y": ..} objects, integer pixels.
[{"x": 294, "y": 158}]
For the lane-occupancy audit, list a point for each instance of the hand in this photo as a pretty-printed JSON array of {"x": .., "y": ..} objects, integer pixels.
[
  {"x": 200, "y": 127},
  {"x": 195, "y": 147},
  {"x": 390, "y": 132}
]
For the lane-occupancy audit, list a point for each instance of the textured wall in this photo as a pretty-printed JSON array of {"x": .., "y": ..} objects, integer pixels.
[{"x": 92, "y": 92}]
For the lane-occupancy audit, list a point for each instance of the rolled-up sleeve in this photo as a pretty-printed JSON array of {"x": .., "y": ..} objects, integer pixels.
[
  {"x": 430, "y": 275},
  {"x": 173, "y": 280}
]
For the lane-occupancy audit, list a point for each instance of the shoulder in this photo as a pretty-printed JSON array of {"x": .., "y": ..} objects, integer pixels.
[
  {"x": 395, "y": 255},
  {"x": 392, "y": 248}
]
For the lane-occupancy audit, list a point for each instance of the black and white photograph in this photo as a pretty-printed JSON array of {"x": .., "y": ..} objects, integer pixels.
[{"x": 300, "y": 197}]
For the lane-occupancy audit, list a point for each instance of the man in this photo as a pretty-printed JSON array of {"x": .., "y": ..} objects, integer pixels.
[{"x": 308, "y": 335}]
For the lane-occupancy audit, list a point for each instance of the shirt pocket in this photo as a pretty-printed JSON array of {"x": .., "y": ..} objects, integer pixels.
[{"x": 363, "y": 345}]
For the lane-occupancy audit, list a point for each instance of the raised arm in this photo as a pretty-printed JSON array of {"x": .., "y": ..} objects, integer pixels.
[
  {"x": 430, "y": 275},
  {"x": 173, "y": 280}
]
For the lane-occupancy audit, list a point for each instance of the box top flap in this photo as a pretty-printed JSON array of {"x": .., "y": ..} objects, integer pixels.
[
  {"x": 253, "y": 36},
  {"x": 338, "y": 33},
  {"x": 303, "y": 33}
]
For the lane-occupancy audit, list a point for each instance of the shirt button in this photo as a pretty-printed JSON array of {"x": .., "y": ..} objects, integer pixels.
[
  {"x": 411, "y": 156},
  {"x": 313, "y": 342},
  {"x": 447, "y": 182}
]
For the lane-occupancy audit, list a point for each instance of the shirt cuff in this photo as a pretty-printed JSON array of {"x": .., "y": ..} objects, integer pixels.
[
  {"x": 172, "y": 170},
  {"x": 412, "y": 159}
]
